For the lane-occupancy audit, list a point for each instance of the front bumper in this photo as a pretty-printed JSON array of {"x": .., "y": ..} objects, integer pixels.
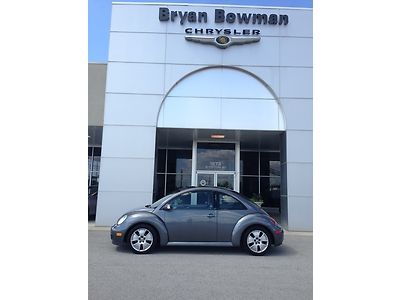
[{"x": 117, "y": 236}]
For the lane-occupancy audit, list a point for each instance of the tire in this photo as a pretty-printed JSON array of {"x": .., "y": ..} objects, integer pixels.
[
  {"x": 142, "y": 239},
  {"x": 256, "y": 240}
]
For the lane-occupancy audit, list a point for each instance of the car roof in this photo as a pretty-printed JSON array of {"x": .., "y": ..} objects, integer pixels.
[{"x": 211, "y": 188}]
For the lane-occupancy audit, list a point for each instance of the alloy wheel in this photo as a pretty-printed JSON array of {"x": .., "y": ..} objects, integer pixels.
[
  {"x": 141, "y": 239},
  {"x": 257, "y": 241}
]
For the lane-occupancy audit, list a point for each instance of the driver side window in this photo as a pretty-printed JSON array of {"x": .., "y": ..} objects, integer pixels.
[{"x": 194, "y": 200}]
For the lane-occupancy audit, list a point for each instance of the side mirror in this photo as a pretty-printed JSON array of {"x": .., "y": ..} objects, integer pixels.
[{"x": 167, "y": 207}]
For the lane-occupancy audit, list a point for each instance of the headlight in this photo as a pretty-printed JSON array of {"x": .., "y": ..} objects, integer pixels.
[{"x": 122, "y": 219}]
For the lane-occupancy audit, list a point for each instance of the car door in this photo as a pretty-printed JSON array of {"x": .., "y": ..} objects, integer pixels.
[
  {"x": 192, "y": 217},
  {"x": 229, "y": 212}
]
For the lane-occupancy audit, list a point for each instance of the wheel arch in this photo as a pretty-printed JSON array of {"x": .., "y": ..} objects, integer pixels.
[
  {"x": 245, "y": 223},
  {"x": 150, "y": 220},
  {"x": 255, "y": 226}
]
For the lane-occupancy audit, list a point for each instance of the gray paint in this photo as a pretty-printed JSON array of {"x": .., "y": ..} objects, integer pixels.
[{"x": 198, "y": 225}]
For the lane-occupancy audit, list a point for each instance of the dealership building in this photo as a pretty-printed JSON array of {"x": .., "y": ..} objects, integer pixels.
[{"x": 204, "y": 95}]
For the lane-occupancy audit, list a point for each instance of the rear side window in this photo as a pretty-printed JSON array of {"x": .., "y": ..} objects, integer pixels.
[{"x": 226, "y": 202}]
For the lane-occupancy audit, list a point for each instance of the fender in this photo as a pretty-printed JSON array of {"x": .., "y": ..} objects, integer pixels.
[
  {"x": 151, "y": 219},
  {"x": 245, "y": 222}
]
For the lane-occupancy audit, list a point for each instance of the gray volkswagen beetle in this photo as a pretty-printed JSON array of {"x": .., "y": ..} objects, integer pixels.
[{"x": 199, "y": 216}]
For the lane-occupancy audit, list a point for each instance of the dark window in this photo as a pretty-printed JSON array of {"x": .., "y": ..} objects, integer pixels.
[
  {"x": 96, "y": 164},
  {"x": 227, "y": 202},
  {"x": 160, "y": 184},
  {"x": 249, "y": 163},
  {"x": 194, "y": 200},
  {"x": 270, "y": 191},
  {"x": 274, "y": 168},
  {"x": 249, "y": 186},
  {"x": 97, "y": 151},
  {"x": 161, "y": 153},
  {"x": 94, "y": 155},
  {"x": 94, "y": 179},
  {"x": 216, "y": 156},
  {"x": 179, "y": 161},
  {"x": 174, "y": 171},
  {"x": 270, "y": 164},
  {"x": 177, "y": 181}
]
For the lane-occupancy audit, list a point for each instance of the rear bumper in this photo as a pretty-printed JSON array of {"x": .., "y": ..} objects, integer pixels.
[{"x": 278, "y": 237}]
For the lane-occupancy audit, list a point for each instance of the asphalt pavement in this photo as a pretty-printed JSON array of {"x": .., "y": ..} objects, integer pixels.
[{"x": 200, "y": 272}]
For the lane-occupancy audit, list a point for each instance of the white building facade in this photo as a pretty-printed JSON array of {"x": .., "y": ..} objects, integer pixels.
[{"x": 208, "y": 95}]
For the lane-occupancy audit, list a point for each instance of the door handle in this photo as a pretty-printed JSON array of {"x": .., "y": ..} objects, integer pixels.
[{"x": 211, "y": 215}]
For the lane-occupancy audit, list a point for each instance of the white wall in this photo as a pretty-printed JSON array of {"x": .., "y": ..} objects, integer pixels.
[
  {"x": 148, "y": 57},
  {"x": 221, "y": 98}
]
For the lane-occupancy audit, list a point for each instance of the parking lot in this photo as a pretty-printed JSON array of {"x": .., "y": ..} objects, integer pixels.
[{"x": 200, "y": 272}]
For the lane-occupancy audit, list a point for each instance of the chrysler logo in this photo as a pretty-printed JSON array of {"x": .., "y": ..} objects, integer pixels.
[{"x": 222, "y": 41}]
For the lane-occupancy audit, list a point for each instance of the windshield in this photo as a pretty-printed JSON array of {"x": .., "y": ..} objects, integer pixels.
[{"x": 158, "y": 202}]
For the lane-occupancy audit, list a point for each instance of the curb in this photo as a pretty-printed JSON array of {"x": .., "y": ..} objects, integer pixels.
[{"x": 99, "y": 228}]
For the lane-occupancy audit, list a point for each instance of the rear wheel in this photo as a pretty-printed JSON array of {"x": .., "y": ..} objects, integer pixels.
[
  {"x": 256, "y": 240},
  {"x": 142, "y": 239}
]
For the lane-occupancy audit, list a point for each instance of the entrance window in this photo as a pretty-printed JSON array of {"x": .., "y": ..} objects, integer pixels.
[
  {"x": 94, "y": 154},
  {"x": 270, "y": 190},
  {"x": 216, "y": 164},
  {"x": 179, "y": 161},
  {"x": 225, "y": 180},
  {"x": 216, "y": 156},
  {"x": 174, "y": 171},
  {"x": 214, "y": 178},
  {"x": 257, "y": 174},
  {"x": 260, "y": 176}
]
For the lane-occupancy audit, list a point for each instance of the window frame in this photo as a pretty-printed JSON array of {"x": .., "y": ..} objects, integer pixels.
[{"x": 216, "y": 201}]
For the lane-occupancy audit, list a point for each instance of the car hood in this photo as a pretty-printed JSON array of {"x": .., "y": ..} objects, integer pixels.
[{"x": 148, "y": 209}]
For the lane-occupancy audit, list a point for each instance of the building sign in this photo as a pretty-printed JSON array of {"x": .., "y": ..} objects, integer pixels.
[
  {"x": 222, "y": 37},
  {"x": 221, "y": 17},
  {"x": 222, "y": 41}
]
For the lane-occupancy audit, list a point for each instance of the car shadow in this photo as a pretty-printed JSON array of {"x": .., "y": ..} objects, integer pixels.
[{"x": 283, "y": 250}]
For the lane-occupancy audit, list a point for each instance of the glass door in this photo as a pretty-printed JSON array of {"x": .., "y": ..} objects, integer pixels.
[
  {"x": 225, "y": 180},
  {"x": 215, "y": 165},
  {"x": 220, "y": 179},
  {"x": 205, "y": 179}
]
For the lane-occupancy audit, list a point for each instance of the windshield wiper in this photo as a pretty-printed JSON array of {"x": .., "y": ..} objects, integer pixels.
[{"x": 148, "y": 205}]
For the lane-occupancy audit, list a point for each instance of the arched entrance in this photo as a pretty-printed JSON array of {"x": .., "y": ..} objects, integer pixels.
[{"x": 221, "y": 126}]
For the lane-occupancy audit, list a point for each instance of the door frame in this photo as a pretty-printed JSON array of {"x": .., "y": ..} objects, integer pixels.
[
  {"x": 216, "y": 173},
  {"x": 236, "y": 172}
]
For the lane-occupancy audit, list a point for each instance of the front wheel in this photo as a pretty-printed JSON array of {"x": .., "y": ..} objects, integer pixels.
[
  {"x": 256, "y": 240},
  {"x": 142, "y": 239}
]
